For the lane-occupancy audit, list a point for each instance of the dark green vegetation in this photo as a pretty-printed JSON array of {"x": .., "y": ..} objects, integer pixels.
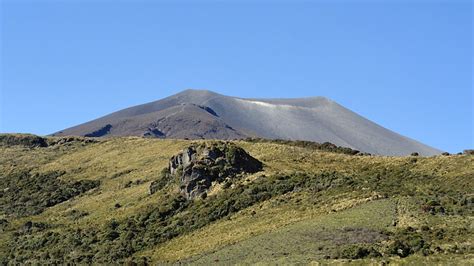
[
  {"x": 23, "y": 194},
  {"x": 23, "y": 140},
  {"x": 326, "y": 146},
  {"x": 321, "y": 238},
  {"x": 81, "y": 201},
  {"x": 33, "y": 141}
]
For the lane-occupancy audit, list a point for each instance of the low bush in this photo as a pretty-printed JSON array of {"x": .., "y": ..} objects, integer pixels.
[
  {"x": 326, "y": 146},
  {"x": 358, "y": 252},
  {"x": 164, "y": 179},
  {"x": 407, "y": 242},
  {"x": 118, "y": 241},
  {"x": 22, "y": 193},
  {"x": 26, "y": 140}
]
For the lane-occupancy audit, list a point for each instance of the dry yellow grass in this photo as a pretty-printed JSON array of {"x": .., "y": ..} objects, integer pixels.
[
  {"x": 117, "y": 161},
  {"x": 243, "y": 225}
]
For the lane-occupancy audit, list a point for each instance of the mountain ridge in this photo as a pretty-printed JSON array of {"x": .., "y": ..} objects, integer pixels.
[{"x": 203, "y": 114}]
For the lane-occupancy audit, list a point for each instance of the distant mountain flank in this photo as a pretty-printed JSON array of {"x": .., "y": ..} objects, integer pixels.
[{"x": 202, "y": 114}]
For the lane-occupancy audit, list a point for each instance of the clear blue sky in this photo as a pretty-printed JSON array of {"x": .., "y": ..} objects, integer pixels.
[{"x": 406, "y": 65}]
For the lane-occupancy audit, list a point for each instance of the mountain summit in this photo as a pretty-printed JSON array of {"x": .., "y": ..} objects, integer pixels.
[{"x": 197, "y": 114}]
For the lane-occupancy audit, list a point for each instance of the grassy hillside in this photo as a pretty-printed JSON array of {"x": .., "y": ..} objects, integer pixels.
[{"x": 87, "y": 201}]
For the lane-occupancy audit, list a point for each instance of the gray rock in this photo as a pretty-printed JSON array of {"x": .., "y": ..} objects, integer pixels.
[{"x": 198, "y": 166}]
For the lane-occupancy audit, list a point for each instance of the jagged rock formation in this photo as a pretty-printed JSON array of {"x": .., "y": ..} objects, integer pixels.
[{"x": 198, "y": 166}]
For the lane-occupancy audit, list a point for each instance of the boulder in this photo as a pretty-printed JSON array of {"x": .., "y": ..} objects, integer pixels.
[{"x": 199, "y": 165}]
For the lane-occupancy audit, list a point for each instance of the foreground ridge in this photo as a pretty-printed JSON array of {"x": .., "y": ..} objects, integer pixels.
[{"x": 134, "y": 200}]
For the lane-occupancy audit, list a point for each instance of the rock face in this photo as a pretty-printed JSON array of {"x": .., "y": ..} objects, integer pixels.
[{"x": 198, "y": 166}]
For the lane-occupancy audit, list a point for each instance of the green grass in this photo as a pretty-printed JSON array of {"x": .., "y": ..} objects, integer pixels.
[
  {"x": 300, "y": 190},
  {"x": 308, "y": 240}
]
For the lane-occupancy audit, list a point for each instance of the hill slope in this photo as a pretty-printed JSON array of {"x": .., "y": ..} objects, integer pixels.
[
  {"x": 197, "y": 114},
  {"x": 88, "y": 200}
]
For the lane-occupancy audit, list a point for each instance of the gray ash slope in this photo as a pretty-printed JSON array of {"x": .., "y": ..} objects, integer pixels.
[{"x": 197, "y": 114}]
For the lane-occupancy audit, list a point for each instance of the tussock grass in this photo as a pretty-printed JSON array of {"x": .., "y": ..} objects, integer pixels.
[{"x": 380, "y": 193}]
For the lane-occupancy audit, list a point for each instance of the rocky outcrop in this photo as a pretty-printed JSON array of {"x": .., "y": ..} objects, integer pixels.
[
  {"x": 154, "y": 133},
  {"x": 26, "y": 140},
  {"x": 100, "y": 132},
  {"x": 199, "y": 165}
]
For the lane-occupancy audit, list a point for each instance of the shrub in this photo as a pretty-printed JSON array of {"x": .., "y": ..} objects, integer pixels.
[
  {"x": 3, "y": 224},
  {"x": 172, "y": 217},
  {"x": 407, "y": 242},
  {"x": 468, "y": 152},
  {"x": 358, "y": 252},
  {"x": 26, "y": 194},
  {"x": 163, "y": 180},
  {"x": 326, "y": 146},
  {"x": 26, "y": 140}
]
